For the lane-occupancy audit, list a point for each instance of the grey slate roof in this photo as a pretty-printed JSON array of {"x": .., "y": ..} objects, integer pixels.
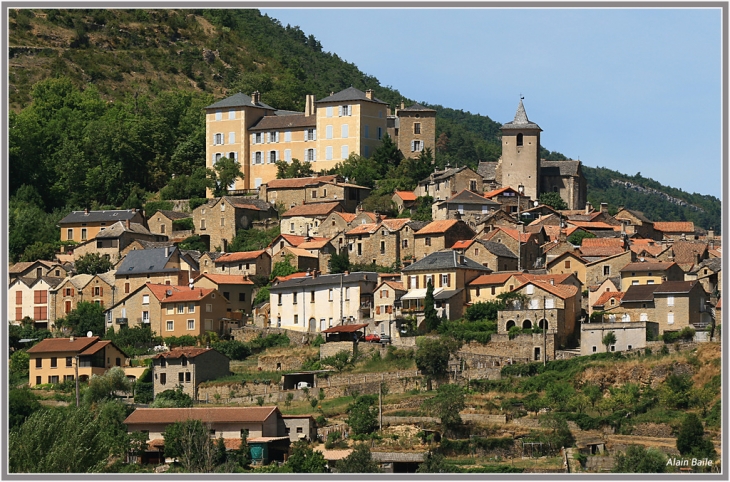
[
  {"x": 497, "y": 249},
  {"x": 468, "y": 197},
  {"x": 521, "y": 121},
  {"x": 351, "y": 93},
  {"x": 214, "y": 254},
  {"x": 98, "y": 216},
  {"x": 559, "y": 168},
  {"x": 327, "y": 279},
  {"x": 417, "y": 107},
  {"x": 146, "y": 261},
  {"x": 488, "y": 170},
  {"x": 155, "y": 244},
  {"x": 715, "y": 264},
  {"x": 195, "y": 255},
  {"x": 447, "y": 259},
  {"x": 52, "y": 282},
  {"x": 237, "y": 100},
  {"x": 639, "y": 215},
  {"x": 174, "y": 214},
  {"x": 447, "y": 294},
  {"x": 81, "y": 280},
  {"x": 675, "y": 287},
  {"x": 417, "y": 225},
  {"x": 119, "y": 228},
  {"x": 639, "y": 293},
  {"x": 441, "y": 175},
  {"x": 285, "y": 122},
  {"x": 108, "y": 277}
]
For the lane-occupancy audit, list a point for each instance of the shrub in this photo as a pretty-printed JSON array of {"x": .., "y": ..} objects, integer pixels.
[
  {"x": 153, "y": 206},
  {"x": 185, "y": 224},
  {"x": 196, "y": 201},
  {"x": 318, "y": 341}
]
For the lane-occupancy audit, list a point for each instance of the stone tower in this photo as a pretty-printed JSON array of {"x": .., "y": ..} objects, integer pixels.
[{"x": 520, "y": 161}]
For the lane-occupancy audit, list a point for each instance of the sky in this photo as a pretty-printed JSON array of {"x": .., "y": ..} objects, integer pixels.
[{"x": 633, "y": 90}]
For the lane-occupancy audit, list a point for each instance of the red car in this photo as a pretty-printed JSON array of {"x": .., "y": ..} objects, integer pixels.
[{"x": 372, "y": 338}]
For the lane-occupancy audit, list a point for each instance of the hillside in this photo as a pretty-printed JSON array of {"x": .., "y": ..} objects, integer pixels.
[{"x": 153, "y": 70}]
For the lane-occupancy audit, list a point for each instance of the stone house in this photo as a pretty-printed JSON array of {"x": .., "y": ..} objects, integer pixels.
[
  {"x": 37, "y": 269},
  {"x": 445, "y": 184},
  {"x": 112, "y": 240},
  {"x": 635, "y": 223},
  {"x": 495, "y": 256},
  {"x": 465, "y": 205},
  {"x": 81, "y": 226},
  {"x": 527, "y": 248},
  {"x": 186, "y": 368},
  {"x": 99, "y": 289},
  {"x": 206, "y": 262},
  {"x": 386, "y": 299},
  {"x": 193, "y": 312},
  {"x": 323, "y": 249},
  {"x": 244, "y": 263},
  {"x": 675, "y": 230},
  {"x": 494, "y": 220},
  {"x": 488, "y": 286},
  {"x": 141, "y": 307},
  {"x": 413, "y": 129},
  {"x": 162, "y": 221},
  {"x": 556, "y": 248},
  {"x": 305, "y": 219},
  {"x": 141, "y": 244},
  {"x": 300, "y": 427},
  {"x": 336, "y": 223},
  {"x": 32, "y": 297},
  {"x": 607, "y": 301},
  {"x": 404, "y": 200},
  {"x": 629, "y": 336},
  {"x": 157, "y": 265},
  {"x": 218, "y": 220},
  {"x": 301, "y": 259},
  {"x": 553, "y": 307},
  {"x": 509, "y": 199},
  {"x": 54, "y": 360},
  {"x": 569, "y": 263},
  {"x": 687, "y": 254},
  {"x": 643, "y": 273},
  {"x": 449, "y": 273},
  {"x": 597, "y": 271},
  {"x": 709, "y": 274},
  {"x": 440, "y": 235},
  {"x": 238, "y": 290},
  {"x": 596, "y": 291},
  {"x": 288, "y": 193},
  {"x": 520, "y": 278},
  {"x": 317, "y": 302}
]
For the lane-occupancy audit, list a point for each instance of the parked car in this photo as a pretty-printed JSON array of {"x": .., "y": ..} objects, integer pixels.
[
  {"x": 385, "y": 339},
  {"x": 372, "y": 338},
  {"x": 302, "y": 385}
]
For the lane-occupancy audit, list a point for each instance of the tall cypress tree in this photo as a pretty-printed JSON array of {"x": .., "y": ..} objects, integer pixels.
[{"x": 431, "y": 319}]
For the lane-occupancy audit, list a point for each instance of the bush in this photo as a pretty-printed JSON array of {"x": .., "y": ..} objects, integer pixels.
[
  {"x": 197, "y": 201},
  {"x": 318, "y": 341},
  {"x": 185, "y": 224},
  {"x": 233, "y": 349},
  {"x": 153, "y": 206},
  {"x": 177, "y": 341}
]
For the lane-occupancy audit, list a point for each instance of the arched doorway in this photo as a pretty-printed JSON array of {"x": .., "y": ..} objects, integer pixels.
[
  {"x": 543, "y": 324},
  {"x": 510, "y": 324},
  {"x": 312, "y": 324},
  {"x": 527, "y": 325}
]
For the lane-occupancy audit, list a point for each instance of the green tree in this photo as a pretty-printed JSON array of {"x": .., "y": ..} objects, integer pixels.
[
  {"x": 86, "y": 317},
  {"x": 253, "y": 239},
  {"x": 305, "y": 460},
  {"x": 359, "y": 170},
  {"x": 224, "y": 174},
  {"x": 340, "y": 262},
  {"x": 184, "y": 186},
  {"x": 295, "y": 168},
  {"x": 283, "y": 267},
  {"x": 262, "y": 296},
  {"x": 594, "y": 394},
  {"x": 432, "y": 357},
  {"x": 363, "y": 415},
  {"x": 431, "y": 319},
  {"x": 93, "y": 264},
  {"x": 39, "y": 250},
  {"x": 559, "y": 394},
  {"x": 194, "y": 243},
  {"x": 190, "y": 443},
  {"x": 691, "y": 439},
  {"x": 576, "y": 239},
  {"x": 675, "y": 391},
  {"x": 553, "y": 200},
  {"x": 387, "y": 154},
  {"x": 638, "y": 459},
  {"x": 448, "y": 402},
  {"x": 360, "y": 461},
  {"x": 339, "y": 361},
  {"x": 434, "y": 463},
  {"x": 483, "y": 311},
  {"x": 172, "y": 398},
  {"x": 22, "y": 403},
  {"x": 608, "y": 340},
  {"x": 106, "y": 386}
]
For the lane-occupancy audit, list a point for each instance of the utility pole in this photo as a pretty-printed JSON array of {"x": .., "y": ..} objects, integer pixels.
[
  {"x": 544, "y": 334},
  {"x": 520, "y": 190},
  {"x": 380, "y": 405},
  {"x": 342, "y": 319}
]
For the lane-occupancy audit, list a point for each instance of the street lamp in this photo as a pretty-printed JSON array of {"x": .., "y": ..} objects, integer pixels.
[{"x": 520, "y": 191}]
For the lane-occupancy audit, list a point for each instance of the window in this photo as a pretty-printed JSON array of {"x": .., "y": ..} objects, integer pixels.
[
  {"x": 670, "y": 318},
  {"x": 314, "y": 194},
  {"x": 39, "y": 363},
  {"x": 300, "y": 430},
  {"x": 294, "y": 298},
  {"x": 287, "y": 155},
  {"x": 40, "y": 313},
  {"x": 382, "y": 247},
  {"x": 163, "y": 378},
  {"x": 366, "y": 151},
  {"x": 187, "y": 377},
  {"x": 330, "y": 294},
  {"x": 231, "y": 114},
  {"x": 311, "y": 135},
  {"x": 257, "y": 138},
  {"x": 380, "y": 133},
  {"x": 170, "y": 325},
  {"x": 359, "y": 249},
  {"x": 54, "y": 362},
  {"x": 202, "y": 224},
  {"x": 346, "y": 110},
  {"x": 291, "y": 227},
  {"x": 53, "y": 379},
  {"x": 345, "y": 131},
  {"x": 345, "y": 151},
  {"x": 296, "y": 319},
  {"x": 70, "y": 234},
  {"x": 567, "y": 264},
  {"x": 145, "y": 317},
  {"x": 328, "y": 153},
  {"x": 273, "y": 137},
  {"x": 367, "y": 132},
  {"x": 273, "y": 155},
  {"x": 83, "y": 234},
  {"x": 445, "y": 278},
  {"x": 223, "y": 221},
  {"x": 310, "y": 155},
  {"x": 191, "y": 324},
  {"x": 417, "y": 128},
  {"x": 40, "y": 296},
  {"x": 38, "y": 380},
  {"x": 180, "y": 308},
  {"x": 416, "y": 146},
  {"x": 311, "y": 296},
  {"x": 258, "y": 157},
  {"x": 428, "y": 241},
  {"x": 217, "y": 139},
  {"x": 163, "y": 362},
  {"x": 650, "y": 282},
  {"x": 181, "y": 377},
  {"x": 329, "y": 111},
  {"x": 328, "y": 132},
  {"x": 208, "y": 308},
  {"x": 530, "y": 289},
  {"x": 519, "y": 139},
  {"x": 532, "y": 305},
  {"x": 405, "y": 243},
  {"x": 606, "y": 270},
  {"x": 670, "y": 300},
  {"x": 218, "y": 115},
  {"x": 635, "y": 282},
  {"x": 145, "y": 299}
]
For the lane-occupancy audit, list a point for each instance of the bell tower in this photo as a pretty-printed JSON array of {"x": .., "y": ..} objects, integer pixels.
[{"x": 521, "y": 153}]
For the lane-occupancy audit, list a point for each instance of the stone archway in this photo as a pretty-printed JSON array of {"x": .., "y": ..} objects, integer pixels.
[
  {"x": 312, "y": 325},
  {"x": 527, "y": 325},
  {"x": 544, "y": 324},
  {"x": 510, "y": 324}
]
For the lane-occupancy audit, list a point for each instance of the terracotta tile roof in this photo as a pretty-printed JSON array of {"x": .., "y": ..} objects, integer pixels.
[
  {"x": 226, "y": 279},
  {"x": 438, "y": 227},
  {"x": 592, "y": 225},
  {"x": 160, "y": 290},
  {"x": 204, "y": 414},
  {"x": 346, "y": 184},
  {"x": 348, "y": 217},
  {"x": 463, "y": 244},
  {"x": 240, "y": 256},
  {"x": 96, "y": 347},
  {"x": 367, "y": 228},
  {"x": 561, "y": 291},
  {"x": 606, "y": 297},
  {"x": 547, "y": 278},
  {"x": 395, "y": 224},
  {"x": 513, "y": 233},
  {"x": 297, "y": 183},
  {"x": 642, "y": 241},
  {"x": 187, "y": 295},
  {"x": 651, "y": 249},
  {"x": 499, "y": 191},
  {"x": 319, "y": 243},
  {"x": 654, "y": 266},
  {"x": 187, "y": 352},
  {"x": 21, "y": 266},
  {"x": 302, "y": 253},
  {"x": 314, "y": 209},
  {"x": 291, "y": 276},
  {"x": 675, "y": 226},
  {"x": 334, "y": 454},
  {"x": 396, "y": 285},
  {"x": 51, "y": 345},
  {"x": 406, "y": 195},
  {"x": 492, "y": 279},
  {"x": 686, "y": 251},
  {"x": 600, "y": 251},
  {"x": 602, "y": 242}
]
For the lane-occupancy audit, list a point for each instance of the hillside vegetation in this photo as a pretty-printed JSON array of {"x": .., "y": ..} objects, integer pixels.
[{"x": 108, "y": 105}]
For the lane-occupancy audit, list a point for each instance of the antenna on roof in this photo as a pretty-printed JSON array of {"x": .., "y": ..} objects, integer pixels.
[{"x": 168, "y": 292}]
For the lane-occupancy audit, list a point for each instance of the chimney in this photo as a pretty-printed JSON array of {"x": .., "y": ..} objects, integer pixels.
[
  {"x": 127, "y": 224},
  {"x": 315, "y": 273},
  {"x": 588, "y": 208},
  {"x": 402, "y": 105},
  {"x": 256, "y": 98},
  {"x": 167, "y": 251},
  {"x": 309, "y": 105},
  {"x": 71, "y": 339},
  {"x": 347, "y": 273},
  {"x": 604, "y": 207},
  {"x": 86, "y": 211},
  {"x": 378, "y": 219},
  {"x": 369, "y": 94}
]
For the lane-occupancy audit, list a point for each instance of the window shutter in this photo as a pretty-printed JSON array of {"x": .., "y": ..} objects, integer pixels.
[
  {"x": 314, "y": 154},
  {"x": 340, "y": 110},
  {"x": 390, "y": 309},
  {"x": 377, "y": 310},
  {"x": 409, "y": 282},
  {"x": 413, "y": 146},
  {"x": 73, "y": 292},
  {"x": 448, "y": 279},
  {"x": 440, "y": 280},
  {"x": 314, "y": 137},
  {"x": 101, "y": 291},
  {"x": 417, "y": 282}
]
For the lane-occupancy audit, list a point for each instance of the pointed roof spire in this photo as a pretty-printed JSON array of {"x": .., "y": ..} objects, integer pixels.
[{"x": 521, "y": 121}]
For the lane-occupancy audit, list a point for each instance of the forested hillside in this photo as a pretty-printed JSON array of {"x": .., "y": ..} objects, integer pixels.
[{"x": 107, "y": 106}]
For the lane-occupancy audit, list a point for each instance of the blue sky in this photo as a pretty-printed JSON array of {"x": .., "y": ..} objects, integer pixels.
[{"x": 634, "y": 90}]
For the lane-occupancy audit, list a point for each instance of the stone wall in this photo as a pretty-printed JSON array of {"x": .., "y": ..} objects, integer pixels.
[
  {"x": 333, "y": 347},
  {"x": 247, "y": 333},
  {"x": 520, "y": 349},
  {"x": 272, "y": 363}
]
